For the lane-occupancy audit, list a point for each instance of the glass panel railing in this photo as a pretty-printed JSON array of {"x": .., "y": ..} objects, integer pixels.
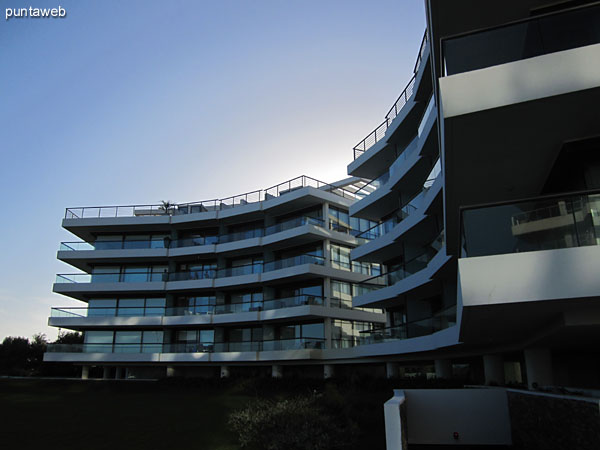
[
  {"x": 535, "y": 36},
  {"x": 294, "y": 223},
  {"x": 247, "y": 269},
  {"x": 423, "y": 327},
  {"x": 112, "y": 245},
  {"x": 562, "y": 221},
  {"x": 205, "y": 274},
  {"x": 406, "y": 269},
  {"x": 293, "y": 261},
  {"x": 241, "y": 235},
  {"x": 231, "y": 308},
  {"x": 192, "y": 347},
  {"x": 228, "y": 308},
  {"x": 290, "y": 302},
  {"x": 190, "y": 275}
]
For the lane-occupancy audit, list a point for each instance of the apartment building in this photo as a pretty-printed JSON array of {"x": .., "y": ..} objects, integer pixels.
[{"x": 465, "y": 242}]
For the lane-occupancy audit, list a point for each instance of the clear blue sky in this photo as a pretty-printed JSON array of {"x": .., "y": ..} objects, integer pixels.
[{"x": 128, "y": 102}]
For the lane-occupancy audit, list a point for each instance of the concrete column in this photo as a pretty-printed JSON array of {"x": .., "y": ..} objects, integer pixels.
[
  {"x": 119, "y": 374},
  {"x": 277, "y": 371},
  {"x": 85, "y": 372},
  {"x": 538, "y": 365},
  {"x": 493, "y": 369},
  {"x": 391, "y": 370},
  {"x": 170, "y": 371},
  {"x": 443, "y": 368},
  {"x": 327, "y": 252},
  {"x": 327, "y": 291},
  {"x": 224, "y": 371},
  {"x": 327, "y": 328},
  {"x": 328, "y": 371},
  {"x": 105, "y": 373},
  {"x": 326, "y": 215}
]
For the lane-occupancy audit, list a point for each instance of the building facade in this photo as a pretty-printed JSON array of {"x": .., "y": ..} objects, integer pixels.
[{"x": 465, "y": 242}]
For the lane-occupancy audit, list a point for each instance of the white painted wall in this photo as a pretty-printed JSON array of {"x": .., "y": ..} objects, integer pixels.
[
  {"x": 520, "y": 81},
  {"x": 531, "y": 276}
]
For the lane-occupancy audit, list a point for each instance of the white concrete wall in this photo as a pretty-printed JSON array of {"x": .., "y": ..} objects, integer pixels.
[
  {"x": 520, "y": 81},
  {"x": 531, "y": 276},
  {"x": 479, "y": 416}
]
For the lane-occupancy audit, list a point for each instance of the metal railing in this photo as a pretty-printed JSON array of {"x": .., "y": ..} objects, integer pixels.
[
  {"x": 192, "y": 241},
  {"x": 191, "y": 310},
  {"x": 406, "y": 269},
  {"x": 201, "y": 274},
  {"x": 378, "y": 133},
  {"x": 423, "y": 327},
  {"x": 421, "y": 52},
  {"x": 191, "y": 347},
  {"x": 207, "y": 205}
]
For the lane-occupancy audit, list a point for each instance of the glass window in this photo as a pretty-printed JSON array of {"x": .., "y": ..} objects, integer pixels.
[
  {"x": 135, "y": 274},
  {"x": 157, "y": 273},
  {"x": 131, "y": 307},
  {"x": 98, "y": 341},
  {"x": 137, "y": 241},
  {"x": 152, "y": 341},
  {"x": 102, "y": 307},
  {"x": 313, "y": 330},
  {"x": 127, "y": 341},
  {"x": 106, "y": 274},
  {"x": 108, "y": 242},
  {"x": 155, "y": 307},
  {"x": 340, "y": 257}
]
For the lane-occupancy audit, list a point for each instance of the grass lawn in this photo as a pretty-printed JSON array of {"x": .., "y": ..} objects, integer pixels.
[{"x": 42, "y": 414}]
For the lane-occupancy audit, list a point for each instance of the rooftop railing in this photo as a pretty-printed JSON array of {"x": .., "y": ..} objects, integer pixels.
[
  {"x": 207, "y": 205},
  {"x": 378, "y": 133},
  {"x": 421, "y": 52}
]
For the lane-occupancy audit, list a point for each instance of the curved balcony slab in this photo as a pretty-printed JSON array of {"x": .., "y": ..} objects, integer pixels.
[
  {"x": 82, "y": 291},
  {"x": 102, "y": 357},
  {"x": 85, "y": 259},
  {"x": 423, "y": 80},
  {"x": 76, "y": 323},
  {"x": 386, "y": 296},
  {"x": 406, "y": 180},
  {"x": 410, "y": 229},
  {"x": 447, "y": 337},
  {"x": 375, "y": 161}
]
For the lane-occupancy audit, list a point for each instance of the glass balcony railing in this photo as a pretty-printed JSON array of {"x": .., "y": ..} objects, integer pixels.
[
  {"x": 113, "y": 245},
  {"x": 406, "y": 269},
  {"x": 203, "y": 274},
  {"x": 114, "y": 277},
  {"x": 167, "y": 209},
  {"x": 227, "y": 308},
  {"x": 293, "y": 261},
  {"x": 424, "y": 327},
  {"x": 191, "y": 347},
  {"x": 534, "y": 36},
  {"x": 543, "y": 223},
  {"x": 193, "y": 241}
]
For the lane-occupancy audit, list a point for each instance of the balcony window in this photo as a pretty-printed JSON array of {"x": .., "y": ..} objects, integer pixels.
[
  {"x": 152, "y": 341},
  {"x": 131, "y": 307},
  {"x": 530, "y": 225},
  {"x": 128, "y": 341},
  {"x": 102, "y": 307},
  {"x": 98, "y": 341},
  {"x": 521, "y": 40}
]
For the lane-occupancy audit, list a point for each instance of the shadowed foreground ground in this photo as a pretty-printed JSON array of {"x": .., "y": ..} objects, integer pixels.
[{"x": 43, "y": 414}]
